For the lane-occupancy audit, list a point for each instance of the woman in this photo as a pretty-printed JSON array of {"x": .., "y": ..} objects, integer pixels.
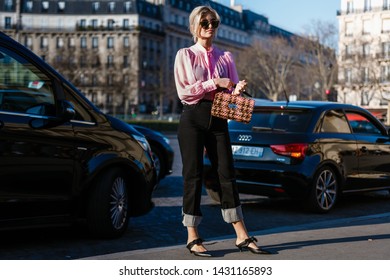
[{"x": 200, "y": 71}]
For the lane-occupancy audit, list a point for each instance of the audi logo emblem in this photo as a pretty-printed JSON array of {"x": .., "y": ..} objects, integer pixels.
[{"x": 245, "y": 138}]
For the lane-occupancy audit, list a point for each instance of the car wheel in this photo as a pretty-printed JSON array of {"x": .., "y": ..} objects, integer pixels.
[
  {"x": 324, "y": 191},
  {"x": 158, "y": 162},
  {"x": 107, "y": 209}
]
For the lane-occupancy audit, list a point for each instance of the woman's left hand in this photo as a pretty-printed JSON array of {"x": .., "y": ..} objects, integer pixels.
[{"x": 240, "y": 87}]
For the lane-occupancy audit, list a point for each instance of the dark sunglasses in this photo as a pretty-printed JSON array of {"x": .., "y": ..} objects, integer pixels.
[{"x": 205, "y": 23}]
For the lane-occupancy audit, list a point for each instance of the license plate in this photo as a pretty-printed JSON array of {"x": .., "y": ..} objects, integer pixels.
[{"x": 247, "y": 151}]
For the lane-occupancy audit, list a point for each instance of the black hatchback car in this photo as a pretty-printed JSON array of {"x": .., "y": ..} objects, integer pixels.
[
  {"x": 313, "y": 151},
  {"x": 61, "y": 159}
]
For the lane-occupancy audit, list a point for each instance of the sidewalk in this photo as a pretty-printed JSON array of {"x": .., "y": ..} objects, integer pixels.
[{"x": 360, "y": 238}]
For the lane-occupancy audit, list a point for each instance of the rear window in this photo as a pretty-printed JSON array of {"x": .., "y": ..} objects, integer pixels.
[{"x": 276, "y": 121}]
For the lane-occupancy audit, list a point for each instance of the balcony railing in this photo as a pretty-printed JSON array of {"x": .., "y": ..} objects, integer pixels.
[{"x": 361, "y": 11}]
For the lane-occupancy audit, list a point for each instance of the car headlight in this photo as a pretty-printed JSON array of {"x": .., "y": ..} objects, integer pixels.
[{"x": 143, "y": 142}]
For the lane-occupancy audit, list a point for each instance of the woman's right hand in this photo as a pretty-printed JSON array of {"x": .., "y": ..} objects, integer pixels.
[{"x": 224, "y": 83}]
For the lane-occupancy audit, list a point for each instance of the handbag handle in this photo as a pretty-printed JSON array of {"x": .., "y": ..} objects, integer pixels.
[{"x": 243, "y": 92}]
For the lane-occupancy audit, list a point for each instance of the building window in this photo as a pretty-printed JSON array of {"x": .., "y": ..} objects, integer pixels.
[
  {"x": 126, "y": 42},
  {"x": 386, "y": 4},
  {"x": 60, "y": 42},
  {"x": 386, "y": 49},
  {"x": 126, "y": 79},
  {"x": 110, "y": 42},
  {"x": 110, "y": 61},
  {"x": 350, "y": 7},
  {"x": 29, "y": 6},
  {"x": 7, "y": 22},
  {"x": 367, "y": 5},
  {"x": 364, "y": 98},
  {"x": 385, "y": 73},
  {"x": 126, "y": 24},
  {"x": 95, "y": 7},
  {"x": 366, "y": 50},
  {"x": 348, "y": 76},
  {"x": 348, "y": 51},
  {"x": 366, "y": 27},
  {"x": 9, "y": 5},
  {"x": 349, "y": 29},
  {"x": 94, "y": 81},
  {"x": 111, "y": 7},
  {"x": 45, "y": 6},
  {"x": 71, "y": 43},
  {"x": 365, "y": 75},
  {"x": 83, "y": 61},
  {"x": 96, "y": 61},
  {"x": 83, "y": 42},
  {"x": 127, "y": 6},
  {"x": 95, "y": 42},
  {"x": 72, "y": 61},
  {"x": 94, "y": 23},
  {"x": 110, "y": 80},
  {"x": 110, "y": 24},
  {"x": 386, "y": 25},
  {"x": 83, "y": 24},
  {"x": 61, "y": 6},
  {"x": 44, "y": 42},
  {"x": 83, "y": 79},
  {"x": 125, "y": 61},
  {"x": 28, "y": 42}
]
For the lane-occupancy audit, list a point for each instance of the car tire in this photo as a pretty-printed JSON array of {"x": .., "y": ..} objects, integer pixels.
[
  {"x": 324, "y": 190},
  {"x": 108, "y": 204},
  {"x": 158, "y": 162}
]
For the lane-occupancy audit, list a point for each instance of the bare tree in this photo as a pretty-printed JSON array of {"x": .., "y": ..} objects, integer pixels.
[
  {"x": 318, "y": 57},
  {"x": 267, "y": 66}
]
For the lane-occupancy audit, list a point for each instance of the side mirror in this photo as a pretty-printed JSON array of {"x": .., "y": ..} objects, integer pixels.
[{"x": 66, "y": 113}]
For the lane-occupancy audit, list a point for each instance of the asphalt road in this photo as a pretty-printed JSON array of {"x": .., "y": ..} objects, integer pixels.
[{"x": 162, "y": 226}]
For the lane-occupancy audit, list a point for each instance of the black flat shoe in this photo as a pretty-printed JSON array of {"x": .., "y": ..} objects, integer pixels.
[
  {"x": 245, "y": 245},
  {"x": 198, "y": 241}
]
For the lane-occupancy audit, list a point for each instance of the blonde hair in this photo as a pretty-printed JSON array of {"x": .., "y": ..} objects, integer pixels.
[{"x": 196, "y": 15}]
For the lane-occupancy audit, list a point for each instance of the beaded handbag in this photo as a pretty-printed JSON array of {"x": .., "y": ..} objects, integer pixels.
[{"x": 233, "y": 107}]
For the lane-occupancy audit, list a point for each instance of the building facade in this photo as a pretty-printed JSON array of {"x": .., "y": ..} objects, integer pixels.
[
  {"x": 364, "y": 53},
  {"x": 120, "y": 54}
]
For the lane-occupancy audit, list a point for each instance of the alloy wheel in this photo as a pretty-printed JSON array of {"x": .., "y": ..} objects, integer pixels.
[{"x": 118, "y": 203}]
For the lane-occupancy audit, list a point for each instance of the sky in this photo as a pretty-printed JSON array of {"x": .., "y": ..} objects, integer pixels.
[{"x": 292, "y": 15}]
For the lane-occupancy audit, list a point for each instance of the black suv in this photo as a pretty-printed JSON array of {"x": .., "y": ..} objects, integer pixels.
[{"x": 61, "y": 159}]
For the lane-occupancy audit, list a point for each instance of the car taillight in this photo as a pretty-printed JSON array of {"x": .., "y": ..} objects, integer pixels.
[{"x": 297, "y": 151}]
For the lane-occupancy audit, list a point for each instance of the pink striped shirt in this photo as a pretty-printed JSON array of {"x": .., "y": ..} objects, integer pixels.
[{"x": 195, "y": 69}]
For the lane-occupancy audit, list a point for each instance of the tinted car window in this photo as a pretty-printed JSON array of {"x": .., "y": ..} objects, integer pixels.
[
  {"x": 23, "y": 88},
  {"x": 335, "y": 121},
  {"x": 81, "y": 113},
  {"x": 277, "y": 120},
  {"x": 360, "y": 124}
]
